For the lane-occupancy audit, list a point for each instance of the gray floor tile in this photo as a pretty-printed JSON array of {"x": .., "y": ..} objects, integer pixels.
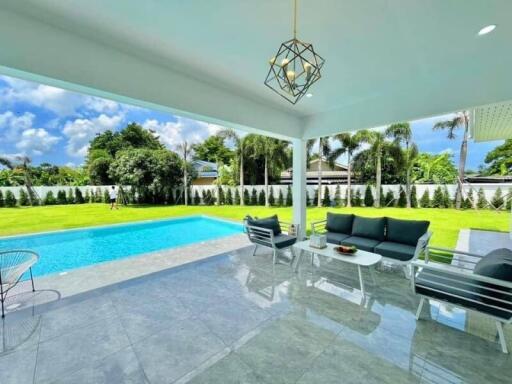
[
  {"x": 18, "y": 367},
  {"x": 69, "y": 352},
  {"x": 172, "y": 353}
]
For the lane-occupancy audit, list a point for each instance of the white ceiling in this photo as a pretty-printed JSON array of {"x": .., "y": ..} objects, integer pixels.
[
  {"x": 492, "y": 122},
  {"x": 386, "y": 60}
]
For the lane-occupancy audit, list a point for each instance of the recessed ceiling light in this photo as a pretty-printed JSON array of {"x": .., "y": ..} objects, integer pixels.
[
  {"x": 309, "y": 94},
  {"x": 487, "y": 29}
]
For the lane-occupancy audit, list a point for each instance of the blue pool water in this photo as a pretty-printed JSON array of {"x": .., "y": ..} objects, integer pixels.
[{"x": 66, "y": 250}]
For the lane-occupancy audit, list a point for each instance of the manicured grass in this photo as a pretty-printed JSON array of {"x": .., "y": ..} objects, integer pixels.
[{"x": 445, "y": 223}]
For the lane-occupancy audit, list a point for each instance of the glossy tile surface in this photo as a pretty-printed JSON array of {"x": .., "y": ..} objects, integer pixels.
[{"x": 236, "y": 318}]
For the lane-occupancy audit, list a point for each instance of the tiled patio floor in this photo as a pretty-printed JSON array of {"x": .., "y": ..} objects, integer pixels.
[{"x": 236, "y": 319}]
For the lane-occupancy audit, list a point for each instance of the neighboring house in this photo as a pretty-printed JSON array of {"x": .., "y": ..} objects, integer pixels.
[
  {"x": 336, "y": 175},
  {"x": 206, "y": 172},
  {"x": 475, "y": 179}
]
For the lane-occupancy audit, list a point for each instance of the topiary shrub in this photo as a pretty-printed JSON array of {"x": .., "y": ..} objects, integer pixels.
[
  {"x": 509, "y": 199},
  {"x": 402, "y": 198},
  {"x": 467, "y": 203},
  {"x": 106, "y": 197},
  {"x": 98, "y": 197},
  {"x": 70, "y": 198},
  {"x": 414, "y": 197},
  {"x": 23, "y": 200},
  {"x": 61, "y": 197},
  {"x": 261, "y": 197},
  {"x": 358, "y": 201},
  {"x": 280, "y": 199},
  {"x": 481, "y": 202},
  {"x": 389, "y": 199},
  {"x": 87, "y": 197},
  {"x": 247, "y": 198},
  {"x": 438, "y": 198},
  {"x": 49, "y": 199},
  {"x": 10, "y": 200},
  {"x": 337, "y": 196},
  {"x": 197, "y": 199},
  {"x": 229, "y": 197},
  {"x": 79, "y": 199},
  {"x": 326, "y": 201},
  {"x": 237, "y": 197},
  {"x": 271, "y": 199},
  {"x": 289, "y": 197},
  {"x": 425, "y": 200},
  {"x": 254, "y": 197},
  {"x": 2, "y": 201},
  {"x": 315, "y": 198},
  {"x": 497, "y": 199},
  {"x": 446, "y": 198},
  {"x": 222, "y": 196},
  {"x": 308, "y": 200},
  {"x": 368, "y": 197}
]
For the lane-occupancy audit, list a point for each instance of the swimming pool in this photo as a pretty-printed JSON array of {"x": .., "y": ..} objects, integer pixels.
[{"x": 67, "y": 250}]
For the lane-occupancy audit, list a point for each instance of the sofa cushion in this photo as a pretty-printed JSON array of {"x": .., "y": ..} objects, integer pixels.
[
  {"x": 433, "y": 284},
  {"x": 361, "y": 243},
  {"x": 372, "y": 228},
  {"x": 339, "y": 222},
  {"x": 406, "y": 231},
  {"x": 335, "y": 238},
  {"x": 397, "y": 251},
  {"x": 498, "y": 265},
  {"x": 283, "y": 241},
  {"x": 271, "y": 222}
]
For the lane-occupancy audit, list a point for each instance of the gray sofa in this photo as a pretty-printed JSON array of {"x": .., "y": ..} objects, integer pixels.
[{"x": 399, "y": 241}]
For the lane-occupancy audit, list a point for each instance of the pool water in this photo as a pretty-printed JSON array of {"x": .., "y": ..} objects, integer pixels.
[{"x": 67, "y": 250}]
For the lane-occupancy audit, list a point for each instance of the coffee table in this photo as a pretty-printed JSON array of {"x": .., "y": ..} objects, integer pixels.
[{"x": 359, "y": 259}]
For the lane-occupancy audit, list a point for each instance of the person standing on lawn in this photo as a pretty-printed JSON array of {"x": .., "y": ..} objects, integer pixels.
[{"x": 113, "y": 198}]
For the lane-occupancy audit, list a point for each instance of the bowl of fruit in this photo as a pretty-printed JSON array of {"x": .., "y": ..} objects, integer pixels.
[{"x": 346, "y": 249}]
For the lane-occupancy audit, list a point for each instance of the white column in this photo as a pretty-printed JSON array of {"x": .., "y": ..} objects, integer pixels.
[{"x": 299, "y": 185}]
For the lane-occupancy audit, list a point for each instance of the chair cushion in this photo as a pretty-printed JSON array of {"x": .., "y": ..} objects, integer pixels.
[
  {"x": 335, "y": 238},
  {"x": 433, "y": 284},
  {"x": 361, "y": 243},
  {"x": 271, "y": 222},
  {"x": 339, "y": 222},
  {"x": 283, "y": 241},
  {"x": 406, "y": 231},
  {"x": 498, "y": 265},
  {"x": 397, "y": 251},
  {"x": 372, "y": 228}
]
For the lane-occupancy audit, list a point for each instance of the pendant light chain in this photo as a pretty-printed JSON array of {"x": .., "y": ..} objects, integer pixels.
[{"x": 295, "y": 20}]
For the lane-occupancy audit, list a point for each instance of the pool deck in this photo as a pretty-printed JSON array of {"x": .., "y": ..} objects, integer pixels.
[{"x": 236, "y": 318}]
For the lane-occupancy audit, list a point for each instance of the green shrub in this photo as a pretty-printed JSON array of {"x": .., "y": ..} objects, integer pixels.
[
  {"x": 197, "y": 199},
  {"x": 467, "y": 203},
  {"x": 237, "y": 197},
  {"x": 70, "y": 198},
  {"x": 229, "y": 197},
  {"x": 98, "y": 197},
  {"x": 247, "y": 199},
  {"x": 170, "y": 197},
  {"x": 351, "y": 196},
  {"x": 106, "y": 197},
  {"x": 337, "y": 196},
  {"x": 261, "y": 197},
  {"x": 222, "y": 196},
  {"x": 368, "y": 197},
  {"x": 205, "y": 198},
  {"x": 389, "y": 198},
  {"x": 425, "y": 200},
  {"x": 414, "y": 197},
  {"x": 254, "y": 197},
  {"x": 315, "y": 198},
  {"x": 211, "y": 198},
  {"x": 10, "y": 200},
  {"x": 87, "y": 197},
  {"x": 402, "y": 198},
  {"x": 79, "y": 199},
  {"x": 358, "y": 201},
  {"x": 61, "y": 197},
  {"x": 308, "y": 200},
  {"x": 509, "y": 199},
  {"x": 446, "y": 198},
  {"x": 271, "y": 199},
  {"x": 49, "y": 199},
  {"x": 2, "y": 201},
  {"x": 289, "y": 196},
  {"x": 280, "y": 199},
  {"x": 24, "y": 201},
  {"x": 438, "y": 198},
  {"x": 481, "y": 200},
  {"x": 326, "y": 200},
  {"x": 497, "y": 199}
]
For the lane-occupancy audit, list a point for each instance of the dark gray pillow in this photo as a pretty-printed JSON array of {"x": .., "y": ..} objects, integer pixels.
[
  {"x": 406, "y": 231},
  {"x": 271, "y": 222},
  {"x": 339, "y": 222},
  {"x": 372, "y": 228},
  {"x": 498, "y": 265}
]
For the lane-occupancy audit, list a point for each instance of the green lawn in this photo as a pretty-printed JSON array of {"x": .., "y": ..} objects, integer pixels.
[{"x": 445, "y": 223}]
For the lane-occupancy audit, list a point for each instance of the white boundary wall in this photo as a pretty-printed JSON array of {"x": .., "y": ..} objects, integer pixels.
[{"x": 489, "y": 189}]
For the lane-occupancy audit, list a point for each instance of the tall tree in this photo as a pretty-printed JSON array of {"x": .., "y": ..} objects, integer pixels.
[
  {"x": 213, "y": 149},
  {"x": 459, "y": 120},
  {"x": 239, "y": 142},
  {"x": 23, "y": 163},
  {"x": 379, "y": 147},
  {"x": 499, "y": 160},
  {"x": 324, "y": 152},
  {"x": 349, "y": 144},
  {"x": 185, "y": 152},
  {"x": 402, "y": 134}
]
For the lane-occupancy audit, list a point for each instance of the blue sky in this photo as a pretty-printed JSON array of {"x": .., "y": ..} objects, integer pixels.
[{"x": 53, "y": 125}]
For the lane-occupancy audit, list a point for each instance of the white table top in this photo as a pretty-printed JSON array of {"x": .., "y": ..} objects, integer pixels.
[{"x": 361, "y": 257}]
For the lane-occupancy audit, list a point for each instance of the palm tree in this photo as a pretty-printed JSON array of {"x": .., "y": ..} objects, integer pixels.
[
  {"x": 240, "y": 142},
  {"x": 185, "y": 151},
  {"x": 21, "y": 162},
  {"x": 324, "y": 151},
  {"x": 402, "y": 133},
  {"x": 460, "y": 120},
  {"x": 349, "y": 144},
  {"x": 273, "y": 152},
  {"x": 379, "y": 147}
]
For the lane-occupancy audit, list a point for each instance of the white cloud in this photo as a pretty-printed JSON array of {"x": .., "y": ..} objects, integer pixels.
[
  {"x": 171, "y": 133},
  {"x": 36, "y": 141},
  {"x": 11, "y": 125},
  {"x": 81, "y": 131}
]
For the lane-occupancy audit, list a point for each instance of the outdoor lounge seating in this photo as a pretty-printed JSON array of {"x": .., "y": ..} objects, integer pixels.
[
  {"x": 484, "y": 287},
  {"x": 272, "y": 233},
  {"x": 398, "y": 241},
  {"x": 13, "y": 264}
]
